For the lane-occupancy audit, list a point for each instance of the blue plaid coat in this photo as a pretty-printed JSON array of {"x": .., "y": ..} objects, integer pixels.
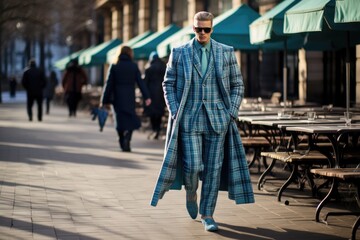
[{"x": 235, "y": 176}]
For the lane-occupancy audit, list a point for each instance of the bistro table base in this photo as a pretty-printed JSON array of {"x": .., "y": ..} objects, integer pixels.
[
  {"x": 294, "y": 159},
  {"x": 351, "y": 175}
]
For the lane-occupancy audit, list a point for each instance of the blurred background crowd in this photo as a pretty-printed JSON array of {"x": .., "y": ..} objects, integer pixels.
[{"x": 91, "y": 32}]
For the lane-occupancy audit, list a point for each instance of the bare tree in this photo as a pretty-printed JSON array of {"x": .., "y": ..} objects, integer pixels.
[{"x": 40, "y": 22}]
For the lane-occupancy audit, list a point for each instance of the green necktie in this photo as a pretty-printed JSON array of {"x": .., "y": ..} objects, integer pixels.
[{"x": 204, "y": 61}]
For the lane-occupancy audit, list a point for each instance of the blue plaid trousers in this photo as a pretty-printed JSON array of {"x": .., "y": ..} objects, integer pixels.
[{"x": 203, "y": 154}]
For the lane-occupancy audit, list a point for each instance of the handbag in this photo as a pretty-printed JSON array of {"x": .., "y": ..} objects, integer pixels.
[{"x": 101, "y": 114}]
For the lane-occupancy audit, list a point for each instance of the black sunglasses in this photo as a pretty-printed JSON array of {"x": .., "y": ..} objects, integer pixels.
[{"x": 200, "y": 29}]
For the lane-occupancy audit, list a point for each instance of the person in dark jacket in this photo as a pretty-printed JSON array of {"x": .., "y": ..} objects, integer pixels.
[
  {"x": 34, "y": 82},
  {"x": 73, "y": 81},
  {"x": 12, "y": 87},
  {"x": 154, "y": 76},
  {"x": 49, "y": 91},
  {"x": 119, "y": 90}
]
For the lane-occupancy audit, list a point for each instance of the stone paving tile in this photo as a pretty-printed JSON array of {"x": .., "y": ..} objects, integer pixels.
[{"x": 63, "y": 179}]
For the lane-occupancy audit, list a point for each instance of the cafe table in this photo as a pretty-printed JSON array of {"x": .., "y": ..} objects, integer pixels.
[
  {"x": 334, "y": 133},
  {"x": 337, "y": 175},
  {"x": 256, "y": 113},
  {"x": 276, "y": 127},
  {"x": 245, "y": 122}
]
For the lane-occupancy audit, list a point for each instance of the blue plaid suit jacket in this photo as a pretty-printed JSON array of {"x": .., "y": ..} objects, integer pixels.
[{"x": 235, "y": 177}]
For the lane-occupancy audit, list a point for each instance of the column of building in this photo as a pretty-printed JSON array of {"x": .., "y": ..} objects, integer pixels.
[
  {"x": 144, "y": 16},
  {"x": 127, "y": 13},
  {"x": 116, "y": 22},
  {"x": 164, "y": 13}
]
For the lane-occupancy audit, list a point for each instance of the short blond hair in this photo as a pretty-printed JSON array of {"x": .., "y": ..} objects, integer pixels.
[{"x": 204, "y": 16}]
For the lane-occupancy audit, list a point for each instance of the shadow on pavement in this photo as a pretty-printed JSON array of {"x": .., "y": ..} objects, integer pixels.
[{"x": 246, "y": 233}]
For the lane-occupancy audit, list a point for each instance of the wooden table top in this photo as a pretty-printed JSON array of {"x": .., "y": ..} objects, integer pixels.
[{"x": 342, "y": 173}]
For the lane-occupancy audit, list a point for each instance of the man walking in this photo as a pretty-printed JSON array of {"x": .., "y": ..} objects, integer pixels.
[
  {"x": 203, "y": 89},
  {"x": 34, "y": 82}
]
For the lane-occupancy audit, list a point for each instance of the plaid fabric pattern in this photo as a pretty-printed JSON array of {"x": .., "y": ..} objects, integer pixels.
[
  {"x": 202, "y": 137},
  {"x": 235, "y": 177},
  {"x": 203, "y": 155},
  {"x": 204, "y": 102},
  {"x": 237, "y": 182}
]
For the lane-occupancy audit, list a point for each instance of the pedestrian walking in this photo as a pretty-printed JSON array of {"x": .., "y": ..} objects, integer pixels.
[
  {"x": 119, "y": 91},
  {"x": 73, "y": 81},
  {"x": 203, "y": 89},
  {"x": 12, "y": 86},
  {"x": 49, "y": 92},
  {"x": 33, "y": 81},
  {"x": 154, "y": 76}
]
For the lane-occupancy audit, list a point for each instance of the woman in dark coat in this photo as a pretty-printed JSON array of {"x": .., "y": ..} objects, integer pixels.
[
  {"x": 119, "y": 90},
  {"x": 73, "y": 81},
  {"x": 154, "y": 76}
]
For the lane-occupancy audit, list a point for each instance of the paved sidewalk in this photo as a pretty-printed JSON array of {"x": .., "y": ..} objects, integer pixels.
[{"x": 64, "y": 179}]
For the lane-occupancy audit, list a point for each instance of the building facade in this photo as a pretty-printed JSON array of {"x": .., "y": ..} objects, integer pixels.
[{"x": 313, "y": 76}]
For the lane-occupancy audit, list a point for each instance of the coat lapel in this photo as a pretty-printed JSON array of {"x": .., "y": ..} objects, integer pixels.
[
  {"x": 197, "y": 62},
  {"x": 219, "y": 59},
  {"x": 187, "y": 55},
  {"x": 219, "y": 62}
]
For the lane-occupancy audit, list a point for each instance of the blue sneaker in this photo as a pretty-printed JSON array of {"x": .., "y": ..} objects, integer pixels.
[
  {"x": 209, "y": 224},
  {"x": 191, "y": 205}
]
